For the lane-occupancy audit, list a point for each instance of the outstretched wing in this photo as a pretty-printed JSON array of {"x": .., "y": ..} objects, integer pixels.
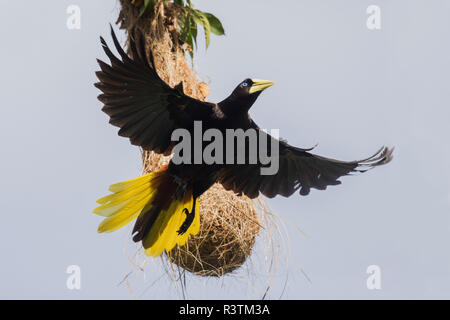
[
  {"x": 298, "y": 169},
  {"x": 139, "y": 102}
]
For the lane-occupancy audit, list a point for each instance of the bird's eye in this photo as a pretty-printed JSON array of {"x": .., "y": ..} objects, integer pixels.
[{"x": 244, "y": 84}]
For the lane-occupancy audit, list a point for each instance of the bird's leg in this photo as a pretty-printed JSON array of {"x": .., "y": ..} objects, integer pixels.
[{"x": 189, "y": 219}]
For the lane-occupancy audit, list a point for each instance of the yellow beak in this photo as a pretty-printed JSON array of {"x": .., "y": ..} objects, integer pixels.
[{"x": 260, "y": 85}]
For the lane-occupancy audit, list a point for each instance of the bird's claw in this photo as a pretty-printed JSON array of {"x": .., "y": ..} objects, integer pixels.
[{"x": 187, "y": 222}]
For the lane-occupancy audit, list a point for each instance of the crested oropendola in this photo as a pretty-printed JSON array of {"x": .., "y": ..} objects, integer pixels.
[{"x": 147, "y": 111}]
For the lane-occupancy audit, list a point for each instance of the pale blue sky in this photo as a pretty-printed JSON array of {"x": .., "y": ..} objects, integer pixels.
[{"x": 337, "y": 84}]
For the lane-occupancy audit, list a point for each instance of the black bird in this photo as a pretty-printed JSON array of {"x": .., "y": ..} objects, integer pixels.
[{"x": 147, "y": 111}]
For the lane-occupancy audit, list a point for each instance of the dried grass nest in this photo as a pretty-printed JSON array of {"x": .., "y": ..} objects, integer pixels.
[{"x": 229, "y": 223}]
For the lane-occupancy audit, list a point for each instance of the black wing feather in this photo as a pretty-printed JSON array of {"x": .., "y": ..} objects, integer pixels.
[
  {"x": 299, "y": 170},
  {"x": 139, "y": 102}
]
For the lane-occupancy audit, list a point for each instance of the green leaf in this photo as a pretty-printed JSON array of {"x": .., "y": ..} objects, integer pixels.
[
  {"x": 185, "y": 27},
  {"x": 194, "y": 32},
  {"x": 189, "y": 20},
  {"x": 216, "y": 25},
  {"x": 201, "y": 19}
]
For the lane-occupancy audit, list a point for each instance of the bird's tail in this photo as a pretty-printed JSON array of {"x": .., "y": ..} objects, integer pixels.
[{"x": 151, "y": 199}]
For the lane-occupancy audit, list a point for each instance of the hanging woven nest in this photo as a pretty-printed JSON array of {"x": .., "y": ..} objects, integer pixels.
[
  {"x": 229, "y": 223},
  {"x": 228, "y": 229}
]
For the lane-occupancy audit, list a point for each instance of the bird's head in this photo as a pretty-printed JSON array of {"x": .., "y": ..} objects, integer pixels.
[
  {"x": 252, "y": 87},
  {"x": 246, "y": 93}
]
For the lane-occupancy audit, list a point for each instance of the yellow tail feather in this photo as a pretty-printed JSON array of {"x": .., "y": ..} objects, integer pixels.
[
  {"x": 163, "y": 234},
  {"x": 128, "y": 200}
]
